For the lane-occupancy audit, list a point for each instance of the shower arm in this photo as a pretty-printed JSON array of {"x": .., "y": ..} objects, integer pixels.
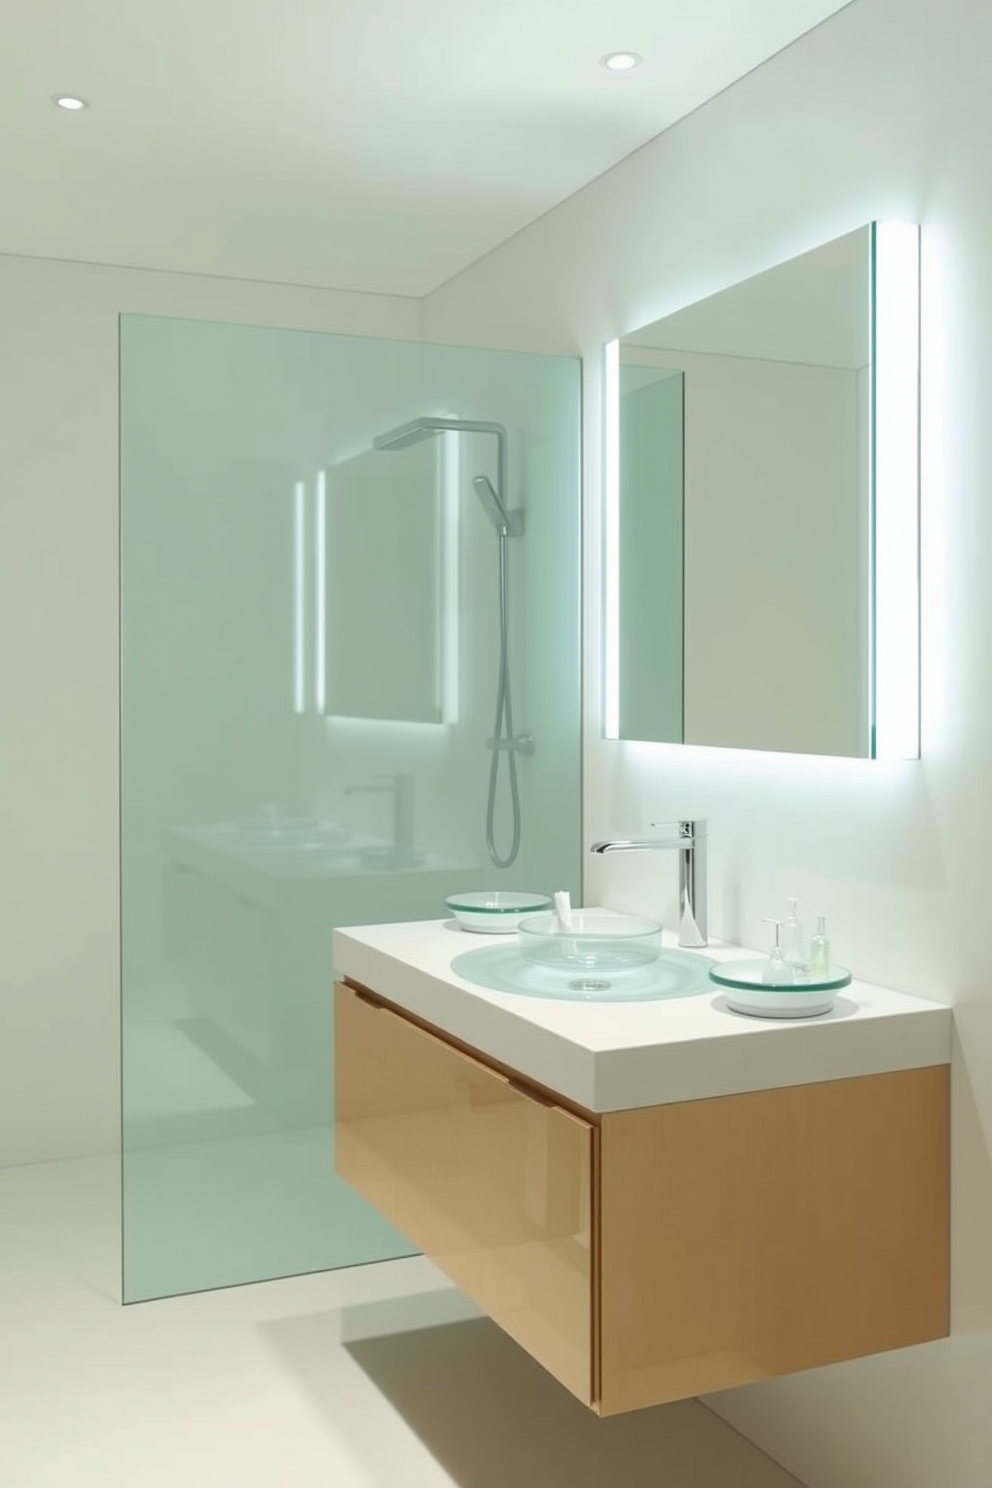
[
  {"x": 422, "y": 428},
  {"x": 480, "y": 426}
]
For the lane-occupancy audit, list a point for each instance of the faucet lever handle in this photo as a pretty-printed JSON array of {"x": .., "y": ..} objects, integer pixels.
[{"x": 686, "y": 826}]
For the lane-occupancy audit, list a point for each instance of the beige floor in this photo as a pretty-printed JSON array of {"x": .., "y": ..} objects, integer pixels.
[{"x": 377, "y": 1377}]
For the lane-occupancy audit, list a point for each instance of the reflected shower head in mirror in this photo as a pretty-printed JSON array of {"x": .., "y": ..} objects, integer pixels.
[{"x": 491, "y": 504}]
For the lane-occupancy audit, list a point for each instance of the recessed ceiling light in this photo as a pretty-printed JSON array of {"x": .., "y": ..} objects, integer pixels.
[
  {"x": 71, "y": 104},
  {"x": 621, "y": 61}
]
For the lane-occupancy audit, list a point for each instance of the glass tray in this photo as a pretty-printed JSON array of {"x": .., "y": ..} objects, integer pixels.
[{"x": 748, "y": 974}]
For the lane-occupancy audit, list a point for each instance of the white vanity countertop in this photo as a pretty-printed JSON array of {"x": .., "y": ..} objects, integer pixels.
[{"x": 614, "y": 1056}]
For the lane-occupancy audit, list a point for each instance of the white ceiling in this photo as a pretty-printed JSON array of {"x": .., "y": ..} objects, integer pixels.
[{"x": 359, "y": 144}]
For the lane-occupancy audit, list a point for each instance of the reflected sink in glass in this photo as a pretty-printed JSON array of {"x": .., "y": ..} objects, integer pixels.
[
  {"x": 502, "y": 968},
  {"x": 389, "y": 859},
  {"x": 291, "y": 833}
]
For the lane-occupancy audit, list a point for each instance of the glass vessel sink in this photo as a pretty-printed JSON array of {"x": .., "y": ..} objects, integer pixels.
[
  {"x": 594, "y": 941},
  {"x": 502, "y": 968}
]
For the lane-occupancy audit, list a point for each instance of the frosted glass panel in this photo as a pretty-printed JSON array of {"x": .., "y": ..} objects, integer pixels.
[{"x": 310, "y": 656}]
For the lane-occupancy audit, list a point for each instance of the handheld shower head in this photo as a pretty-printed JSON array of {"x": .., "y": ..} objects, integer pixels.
[{"x": 491, "y": 503}]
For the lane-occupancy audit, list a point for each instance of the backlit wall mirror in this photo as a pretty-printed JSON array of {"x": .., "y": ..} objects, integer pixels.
[{"x": 761, "y": 534}]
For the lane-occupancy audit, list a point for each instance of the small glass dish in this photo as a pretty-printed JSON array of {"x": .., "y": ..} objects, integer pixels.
[
  {"x": 747, "y": 991},
  {"x": 496, "y": 911},
  {"x": 596, "y": 942}
]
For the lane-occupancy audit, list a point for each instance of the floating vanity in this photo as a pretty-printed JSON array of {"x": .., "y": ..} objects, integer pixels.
[{"x": 656, "y": 1199}]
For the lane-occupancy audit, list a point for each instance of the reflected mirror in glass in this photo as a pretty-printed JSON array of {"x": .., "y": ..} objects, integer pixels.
[{"x": 384, "y": 637}]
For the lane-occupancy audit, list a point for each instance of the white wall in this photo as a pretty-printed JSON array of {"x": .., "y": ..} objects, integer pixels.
[
  {"x": 884, "y": 111},
  {"x": 59, "y": 668}
]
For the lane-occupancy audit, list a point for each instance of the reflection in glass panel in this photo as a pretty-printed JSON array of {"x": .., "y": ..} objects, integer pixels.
[
  {"x": 383, "y": 521},
  {"x": 311, "y": 655}
]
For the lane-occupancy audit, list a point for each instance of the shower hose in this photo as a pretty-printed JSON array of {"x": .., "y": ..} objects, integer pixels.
[{"x": 503, "y": 741}]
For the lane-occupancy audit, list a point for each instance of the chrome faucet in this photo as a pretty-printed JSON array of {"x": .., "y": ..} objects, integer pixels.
[
  {"x": 401, "y": 853},
  {"x": 690, "y": 842}
]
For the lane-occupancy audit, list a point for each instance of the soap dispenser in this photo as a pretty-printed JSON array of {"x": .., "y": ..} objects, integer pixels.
[
  {"x": 793, "y": 948},
  {"x": 819, "y": 950},
  {"x": 777, "y": 971}
]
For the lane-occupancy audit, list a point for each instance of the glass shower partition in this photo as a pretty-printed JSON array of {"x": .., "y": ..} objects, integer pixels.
[{"x": 320, "y": 617}]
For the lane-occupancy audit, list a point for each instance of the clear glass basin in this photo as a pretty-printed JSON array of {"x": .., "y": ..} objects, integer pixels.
[{"x": 595, "y": 941}]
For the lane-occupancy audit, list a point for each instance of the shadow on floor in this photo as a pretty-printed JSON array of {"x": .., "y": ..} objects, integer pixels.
[{"x": 492, "y": 1418}]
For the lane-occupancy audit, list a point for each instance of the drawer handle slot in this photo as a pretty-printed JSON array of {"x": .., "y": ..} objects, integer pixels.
[
  {"x": 522, "y": 1088},
  {"x": 369, "y": 1000}
]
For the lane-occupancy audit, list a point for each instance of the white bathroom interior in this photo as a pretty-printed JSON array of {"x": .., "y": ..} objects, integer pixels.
[{"x": 251, "y": 657}]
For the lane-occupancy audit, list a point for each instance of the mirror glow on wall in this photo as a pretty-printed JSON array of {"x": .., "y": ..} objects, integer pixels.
[{"x": 761, "y": 513}]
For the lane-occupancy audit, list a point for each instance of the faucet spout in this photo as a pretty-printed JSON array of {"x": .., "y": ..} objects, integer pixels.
[{"x": 689, "y": 840}]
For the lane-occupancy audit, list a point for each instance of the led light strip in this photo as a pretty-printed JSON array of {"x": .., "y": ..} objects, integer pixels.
[
  {"x": 611, "y": 540},
  {"x": 448, "y": 649},
  {"x": 320, "y": 596},
  {"x": 895, "y": 354},
  {"x": 299, "y": 598}
]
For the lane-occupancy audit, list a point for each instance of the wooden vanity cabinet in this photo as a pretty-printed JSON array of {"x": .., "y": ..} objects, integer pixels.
[{"x": 660, "y": 1252}]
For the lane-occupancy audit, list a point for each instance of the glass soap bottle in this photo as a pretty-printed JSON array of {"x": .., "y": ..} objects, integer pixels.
[
  {"x": 777, "y": 972},
  {"x": 793, "y": 948},
  {"x": 819, "y": 950}
]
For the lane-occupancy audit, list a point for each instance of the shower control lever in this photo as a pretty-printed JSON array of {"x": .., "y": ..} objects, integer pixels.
[{"x": 520, "y": 743}]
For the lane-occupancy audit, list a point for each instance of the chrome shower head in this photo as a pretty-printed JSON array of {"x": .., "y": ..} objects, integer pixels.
[{"x": 411, "y": 433}]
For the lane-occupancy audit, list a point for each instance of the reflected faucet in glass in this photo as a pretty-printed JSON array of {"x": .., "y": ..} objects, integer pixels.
[
  {"x": 401, "y": 853},
  {"x": 689, "y": 840}
]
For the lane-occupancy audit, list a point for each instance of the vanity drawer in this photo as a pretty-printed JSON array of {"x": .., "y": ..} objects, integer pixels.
[
  {"x": 754, "y": 1235},
  {"x": 487, "y": 1176}
]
